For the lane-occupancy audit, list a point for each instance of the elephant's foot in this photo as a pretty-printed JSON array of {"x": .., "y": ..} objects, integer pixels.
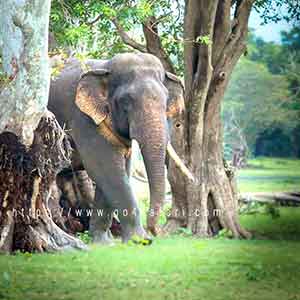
[
  {"x": 102, "y": 237},
  {"x": 135, "y": 234}
]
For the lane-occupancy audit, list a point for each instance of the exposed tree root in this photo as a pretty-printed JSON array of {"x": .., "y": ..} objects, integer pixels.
[
  {"x": 212, "y": 206},
  {"x": 26, "y": 176},
  {"x": 171, "y": 226},
  {"x": 6, "y": 234}
]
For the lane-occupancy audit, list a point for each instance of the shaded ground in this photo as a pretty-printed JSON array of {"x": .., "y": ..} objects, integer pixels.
[{"x": 172, "y": 268}]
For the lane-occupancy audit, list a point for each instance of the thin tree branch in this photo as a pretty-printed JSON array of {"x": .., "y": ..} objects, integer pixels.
[
  {"x": 207, "y": 13},
  {"x": 91, "y": 23},
  {"x": 199, "y": 21},
  {"x": 234, "y": 48},
  {"x": 236, "y": 43},
  {"x": 154, "y": 45},
  {"x": 191, "y": 32},
  {"x": 242, "y": 13},
  {"x": 222, "y": 28},
  {"x": 127, "y": 39}
]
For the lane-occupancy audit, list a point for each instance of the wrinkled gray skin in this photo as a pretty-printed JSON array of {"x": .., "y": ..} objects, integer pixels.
[{"x": 138, "y": 98}]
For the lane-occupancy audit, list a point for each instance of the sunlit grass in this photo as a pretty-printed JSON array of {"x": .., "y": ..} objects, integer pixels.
[
  {"x": 270, "y": 175},
  {"x": 177, "y": 267},
  {"x": 172, "y": 268}
]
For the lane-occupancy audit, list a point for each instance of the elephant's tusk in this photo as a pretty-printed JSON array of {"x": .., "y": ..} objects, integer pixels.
[
  {"x": 139, "y": 178},
  {"x": 179, "y": 163}
]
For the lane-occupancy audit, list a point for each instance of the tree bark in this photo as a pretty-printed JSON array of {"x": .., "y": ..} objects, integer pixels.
[
  {"x": 210, "y": 203},
  {"x": 33, "y": 148},
  {"x": 154, "y": 45},
  {"x": 23, "y": 41}
]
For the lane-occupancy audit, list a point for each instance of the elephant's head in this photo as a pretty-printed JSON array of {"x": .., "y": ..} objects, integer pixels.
[{"x": 139, "y": 97}]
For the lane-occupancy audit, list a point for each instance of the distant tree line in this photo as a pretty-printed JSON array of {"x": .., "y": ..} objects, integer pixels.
[{"x": 261, "y": 111}]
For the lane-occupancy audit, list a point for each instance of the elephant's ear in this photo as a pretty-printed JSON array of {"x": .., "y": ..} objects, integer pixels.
[
  {"x": 92, "y": 93},
  {"x": 175, "y": 105}
]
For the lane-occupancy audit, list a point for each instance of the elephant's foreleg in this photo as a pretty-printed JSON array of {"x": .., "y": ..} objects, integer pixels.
[
  {"x": 107, "y": 167},
  {"x": 120, "y": 197},
  {"x": 101, "y": 219}
]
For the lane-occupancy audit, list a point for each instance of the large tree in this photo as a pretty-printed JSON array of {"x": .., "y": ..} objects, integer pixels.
[
  {"x": 207, "y": 68},
  {"x": 33, "y": 147}
]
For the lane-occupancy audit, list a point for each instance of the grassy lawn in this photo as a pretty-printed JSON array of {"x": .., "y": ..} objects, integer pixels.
[
  {"x": 172, "y": 268},
  {"x": 270, "y": 175}
]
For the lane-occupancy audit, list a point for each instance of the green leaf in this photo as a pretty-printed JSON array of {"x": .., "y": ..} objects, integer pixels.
[{"x": 204, "y": 39}]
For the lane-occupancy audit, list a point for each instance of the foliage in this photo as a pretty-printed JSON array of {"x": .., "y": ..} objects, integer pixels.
[
  {"x": 224, "y": 234},
  {"x": 280, "y": 59},
  {"x": 88, "y": 26},
  {"x": 277, "y": 10},
  {"x": 267, "y": 53},
  {"x": 255, "y": 100},
  {"x": 74, "y": 27},
  {"x": 183, "y": 232},
  {"x": 272, "y": 210},
  {"x": 291, "y": 39},
  {"x": 256, "y": 207},
  {"x": 256, "y": 272},
  {"x": 84, "y": 236},
  {"x": 250, "y": 208},
  {"x": 136, "y": 240}
]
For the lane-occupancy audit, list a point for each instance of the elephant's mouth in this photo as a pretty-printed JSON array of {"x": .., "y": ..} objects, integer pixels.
[
  {"x": 124, "y": 146},
  {"x": 178, "y": 162}
]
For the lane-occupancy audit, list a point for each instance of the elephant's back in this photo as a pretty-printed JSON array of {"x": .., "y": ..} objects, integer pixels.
[
  {"x": 62, "y": 90},
  {"x": 63, "y": 87}
]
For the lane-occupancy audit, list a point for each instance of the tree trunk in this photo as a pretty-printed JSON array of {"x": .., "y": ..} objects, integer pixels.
[
  {"x": 33, "y": 148},
  {"x": 210, "y": 203}
]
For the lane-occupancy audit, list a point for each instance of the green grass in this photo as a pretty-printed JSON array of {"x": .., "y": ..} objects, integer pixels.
[
  {"x": 286, "y": 227},
  {"x": 270, "y": 175},
  {"x": 172, "y": 268},
  {"x": 177, "y": 267}
]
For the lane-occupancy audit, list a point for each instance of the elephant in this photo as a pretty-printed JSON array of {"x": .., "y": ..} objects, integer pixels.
[{"x": 104, "y": 105}]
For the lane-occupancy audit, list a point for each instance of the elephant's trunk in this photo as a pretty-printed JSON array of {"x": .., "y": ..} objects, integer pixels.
[{"x": 152, "y": 138}]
